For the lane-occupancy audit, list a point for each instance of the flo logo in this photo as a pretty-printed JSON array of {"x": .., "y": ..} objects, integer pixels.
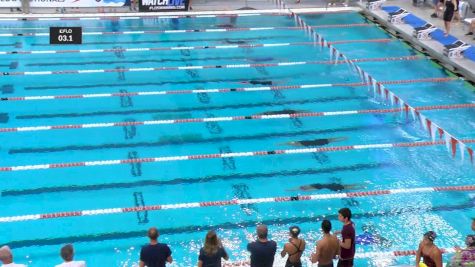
[{"x": 162, "y": 5}]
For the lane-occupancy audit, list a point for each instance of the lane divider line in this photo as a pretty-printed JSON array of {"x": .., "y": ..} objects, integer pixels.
[
  {"x": 235, "y": 201},
  {"x": 40, "y": 34},
  {"x": 220, "y": 155},
  {"x": 229, "y": 118},
  {"x": 218, "y": 90},
  {"x": 229, "y": 66},
  {"x": 145, "y": 49}
]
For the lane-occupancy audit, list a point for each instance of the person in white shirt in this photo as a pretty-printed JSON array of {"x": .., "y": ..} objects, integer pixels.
[
  {"x": 6, "y": 257},
  {"x": 67, "y": 253}
]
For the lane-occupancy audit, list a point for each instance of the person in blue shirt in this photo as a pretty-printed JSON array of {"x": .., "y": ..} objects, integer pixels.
[
  {"x": 262, "y": 250},
  {"x": 155, "y": 254}
]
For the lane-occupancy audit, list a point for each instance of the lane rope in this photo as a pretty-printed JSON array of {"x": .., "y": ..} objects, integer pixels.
[
  {"x": 146, "y": 49},
  {"x": 224, "y": 155},
  {"x": 228, "y": 118},
  {"x": 228, "y": 66},
  {"x": 219, "y": 90},
  {"x": 41, "y": 34},
  {"x": 236, "y": 201}
]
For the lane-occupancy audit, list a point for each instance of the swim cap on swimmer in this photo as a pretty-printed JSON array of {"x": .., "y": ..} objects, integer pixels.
[
  {"x": 431, "y": 235},
  {"x": 294, "y": 231}
]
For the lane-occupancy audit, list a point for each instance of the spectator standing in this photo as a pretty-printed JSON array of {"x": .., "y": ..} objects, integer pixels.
[
  {"x": 464, "y": 257},
  {"x": 327, "y": 248},
  {"x": 262, "y": 250},
  {"x": 6, "y": 257},
  {"x": 67, "y": 253},
  {"x": 212, "y": 251},
  {"x": 155, "y": 254},
  {"x": 348, "y": 236},
  {"x": 428, "y": 251},
  {"x": 294, "y": 248}
]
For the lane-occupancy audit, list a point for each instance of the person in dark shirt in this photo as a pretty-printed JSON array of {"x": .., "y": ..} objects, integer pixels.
[
  {"x": 212, "y": 252},
  {"x": 262, "y": 250},
  {"x": 155, "y": 254},
  {"x": 348, "y": 236}
]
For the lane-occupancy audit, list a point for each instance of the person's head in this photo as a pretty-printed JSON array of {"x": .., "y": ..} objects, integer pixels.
[
  {"x": 211, "y": 243},
  {"x": 344, "y": 215},
  {"x": 262, "y": 231},
  {"x": 153, "y": 234},
  {"x": 67, "y": 252},
  {"x": 473, "y": 224},
  {"x": 6, "y": 256},
  {"x": 326, "y": 226},
  {"x": 429, "y": 238},
  {"x": 294, "y": 231},
  {"x": 470, "y": 241}
]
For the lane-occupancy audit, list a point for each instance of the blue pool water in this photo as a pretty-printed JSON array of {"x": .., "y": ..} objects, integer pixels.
[{"x": 115, "y": 239}]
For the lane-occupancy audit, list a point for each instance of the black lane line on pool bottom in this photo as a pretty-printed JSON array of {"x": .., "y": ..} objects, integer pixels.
[
  {"x": 232, "y": 226},
  {"x": 125, "y": 100},
  {"x": 205, "y": 179},
  {"x": 213, "y": 126},
  {"x": 7, "y": 89},
  {"x": 241, "y": 191},
  {"x": 276, "y": 79},
  {"x": 142, "y": 216},
  {"x": 135, "y": 167},
  {"x": 130, "y": 132},
  {"x": 189, "y": 109},
  {"x": 229, "y": 163}
]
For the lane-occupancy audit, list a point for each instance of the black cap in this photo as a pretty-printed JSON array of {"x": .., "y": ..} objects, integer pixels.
[
  {"x": 294, "y": 230},
  {"x": 431, "y": 235}
]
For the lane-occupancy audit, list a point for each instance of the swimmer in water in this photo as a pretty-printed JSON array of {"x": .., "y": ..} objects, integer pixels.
[
  {"x": 283, "y": 111},
  {"x": 256, "y": 82},
  {"x": 238, "y": 42},
  {"x": 336, "y": 187},
  {"x": 316, "y": 142},
  {"x": 260, "y": 59}
]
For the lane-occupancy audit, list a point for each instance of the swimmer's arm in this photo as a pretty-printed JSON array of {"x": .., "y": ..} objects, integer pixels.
[
  {"x": 346, "y": 243},
  {"x": 169, "y": 259},
  {"x": 437, "y": 258},
  {"x": 315, "y": 256},
  {"x": 418, "y": 256},
  {"x": 141, "y": 264},
  {"x": 283, "y": 252}
]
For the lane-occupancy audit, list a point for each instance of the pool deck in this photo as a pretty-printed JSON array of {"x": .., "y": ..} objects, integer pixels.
[{"x": 464, "y": 66}]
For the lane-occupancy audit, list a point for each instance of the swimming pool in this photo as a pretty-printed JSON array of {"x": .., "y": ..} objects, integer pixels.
[{"x": 179, "y": 98}]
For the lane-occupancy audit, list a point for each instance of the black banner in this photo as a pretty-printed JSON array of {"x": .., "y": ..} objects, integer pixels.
[
  {"x": 163, "y": 5},
  {"x": 65, "y": 35}
]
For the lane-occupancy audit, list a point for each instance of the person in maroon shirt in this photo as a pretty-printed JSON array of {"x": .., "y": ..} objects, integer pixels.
[{"x": 348, "y": 236}]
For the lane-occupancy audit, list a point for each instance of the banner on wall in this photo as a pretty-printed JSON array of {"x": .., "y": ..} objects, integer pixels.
[
  {"x": 163, "y": 5},
  {"x": 65, "y": 3}
]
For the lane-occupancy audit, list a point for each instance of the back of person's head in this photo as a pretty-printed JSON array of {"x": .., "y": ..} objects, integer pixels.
[
  {"x": 211, "y": 243},
  {"x": 345, "y": 212},
  {"x": 470, "y": 241},
  {"x": 67, "y": 252},
  {"x": 262, "y": 231},
  {"x": 294, "y": 231},
  {"x": 6, "y": 255},
  {"x": 153, "y": 233},
  {"x": 326, "y": 226},
  {"x": 431, "y": 236}
]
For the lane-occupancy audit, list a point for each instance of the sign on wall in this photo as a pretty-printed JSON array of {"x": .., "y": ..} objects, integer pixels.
[{"x": 163, "y": 5}]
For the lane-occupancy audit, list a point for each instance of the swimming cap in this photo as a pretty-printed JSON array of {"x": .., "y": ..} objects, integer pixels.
[
  {"x": 431, "y": 235},
  {"x": 294, "y": 230}
]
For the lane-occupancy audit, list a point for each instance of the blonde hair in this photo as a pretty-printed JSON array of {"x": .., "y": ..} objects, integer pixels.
[{"x": 211, "y": 243}]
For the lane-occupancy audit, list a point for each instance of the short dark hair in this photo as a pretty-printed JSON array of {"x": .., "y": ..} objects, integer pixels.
[
  {"x": 262, "y": 231},
  {"x": 345, "y": 212},
  {"x": 326, "y": 226},
  {"x": 67, "y": 252},
  {"x": 153, "y": 233}
]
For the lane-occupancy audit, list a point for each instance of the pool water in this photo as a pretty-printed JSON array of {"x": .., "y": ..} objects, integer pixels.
[{"x": 115, "y": 239}]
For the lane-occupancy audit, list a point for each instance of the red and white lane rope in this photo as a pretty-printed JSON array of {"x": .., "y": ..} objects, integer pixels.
[
  {"x": 218, "y": 90},
  {"x": 145, "y": 49},
  {"x": 39, "y": 34},
  {"x": 231, "y": 202},
  {"x": 358, "y": 255},
  {"x": 229, "y": 118},
  {"x": 225, "y": 155},
  {"x": 380, "y": 91},
  {"x": 228, "y": 66}
]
